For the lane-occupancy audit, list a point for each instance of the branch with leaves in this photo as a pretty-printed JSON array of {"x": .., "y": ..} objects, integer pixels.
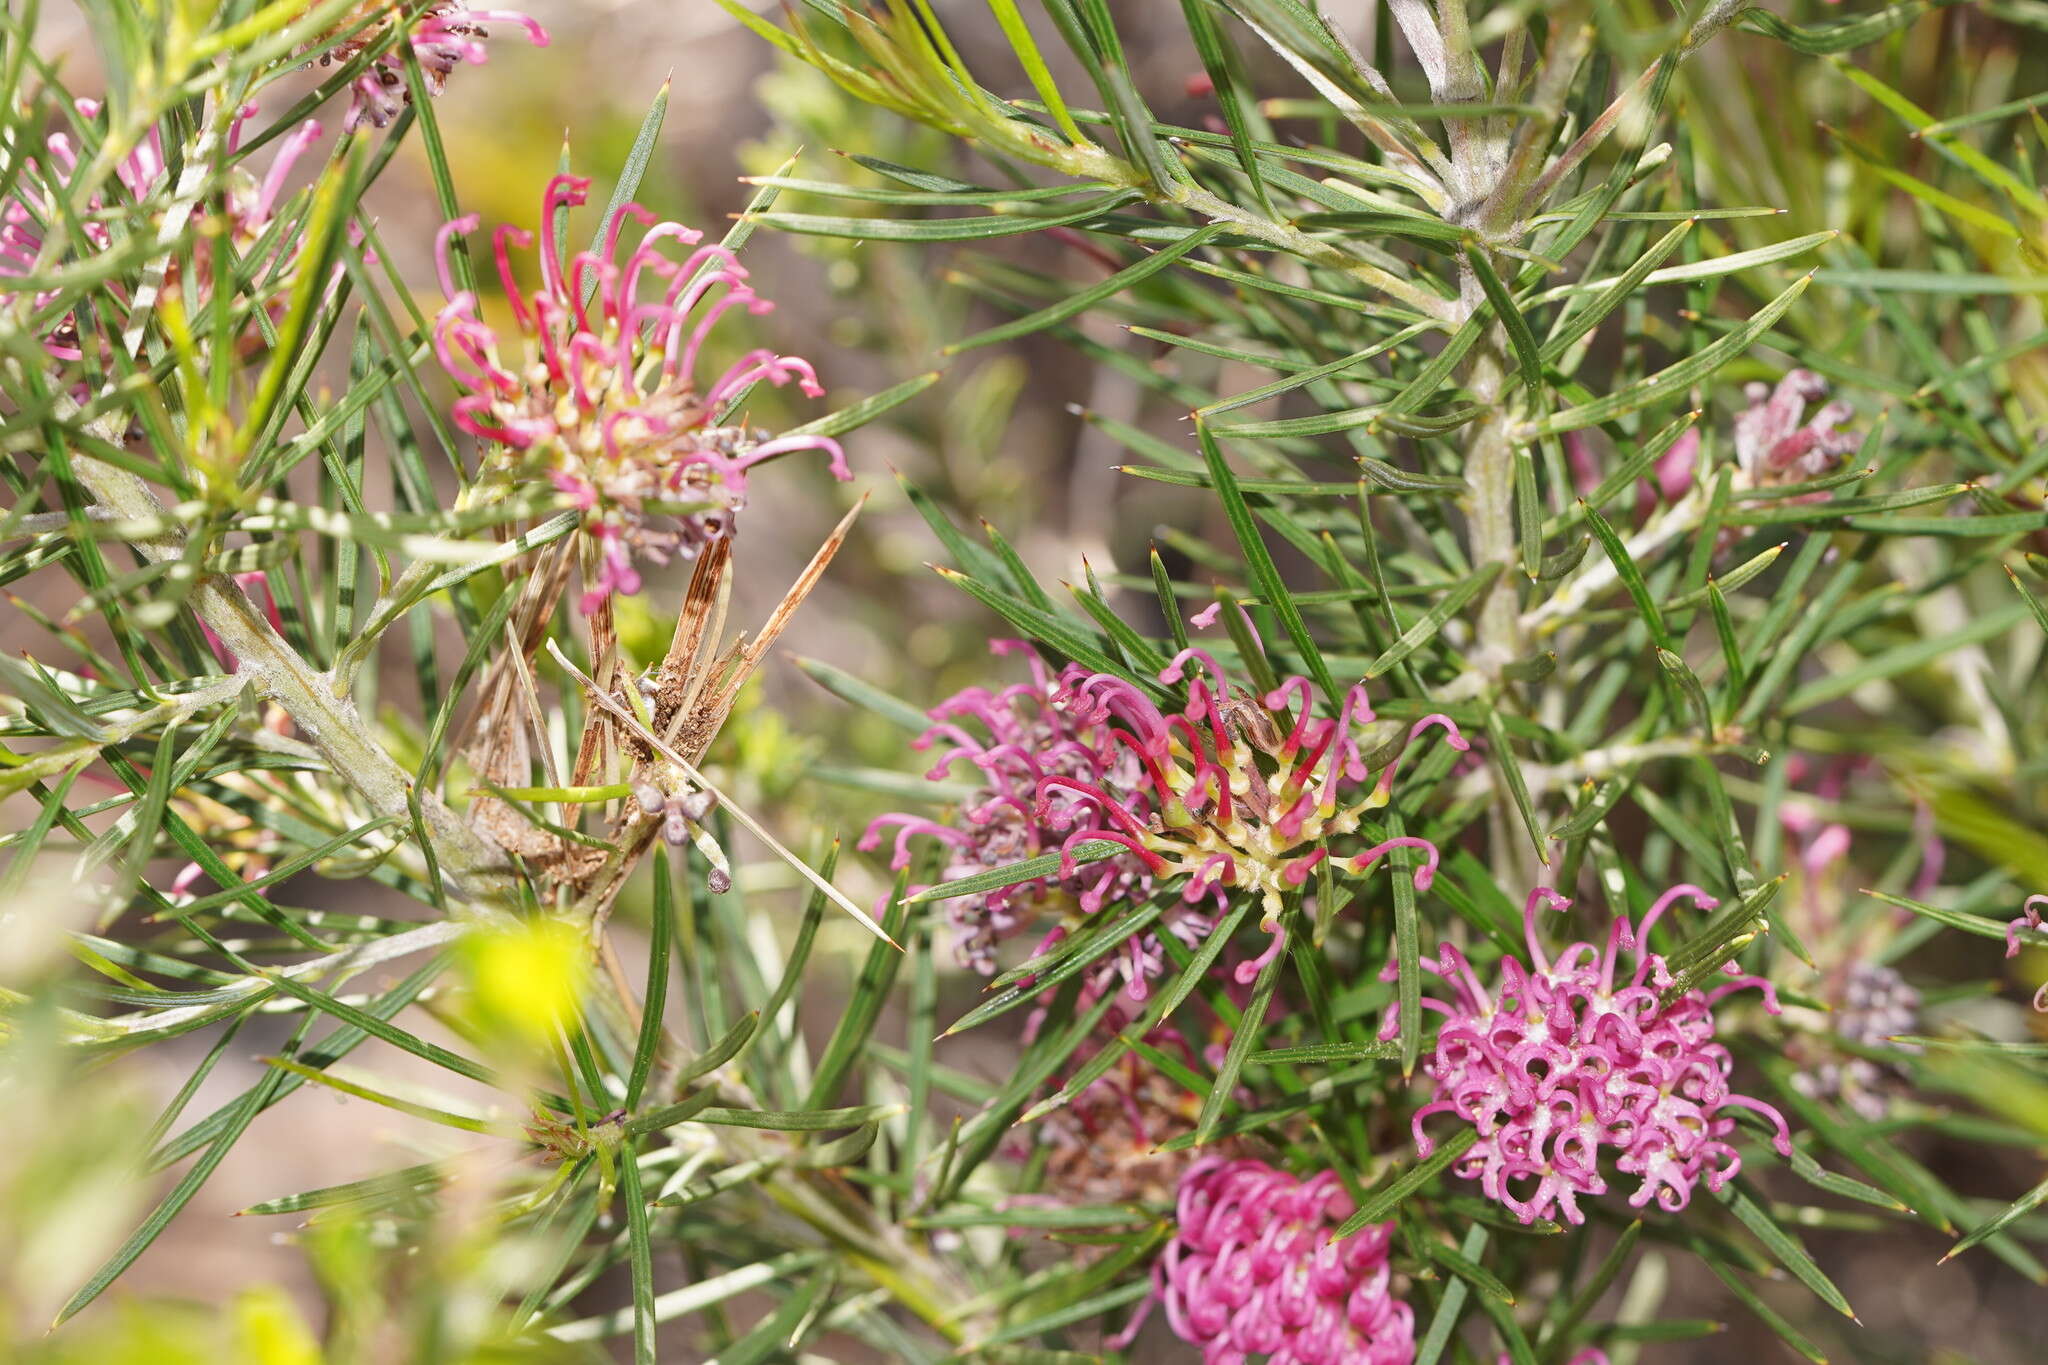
[{"x": 1550, "y": 818}]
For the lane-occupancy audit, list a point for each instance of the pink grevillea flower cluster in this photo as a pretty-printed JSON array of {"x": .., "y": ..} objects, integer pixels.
[
  {"x": 1562, "y": 1062},
  {"x": 444, "y": 35},
  {"x": 1252, "y": 1271},
  {"x": 248, "y": 208},
  {"x": 1235, "y": 792},
  {"x": 604, "y": 400},
  {"x": 2029, "y": 919},
  {"x": 1774, "y": 446},
  {"x": 1016, "y": 738}
]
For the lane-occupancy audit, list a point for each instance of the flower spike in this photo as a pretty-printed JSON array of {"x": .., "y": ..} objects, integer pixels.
[
  {"x": 634, "y": 446},
  {"x": 1558, "y": 1065}
]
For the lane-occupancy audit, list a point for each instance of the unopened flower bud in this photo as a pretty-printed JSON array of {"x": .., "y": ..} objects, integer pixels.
[
  {"x": 651, "y": 798},
  {"x": 719, "y": 880},
  {"x": 696, "y": 805},
  {"x": 675, "y": 829}
]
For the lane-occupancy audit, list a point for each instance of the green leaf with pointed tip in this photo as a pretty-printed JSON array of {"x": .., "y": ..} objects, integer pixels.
[
  {"x": 1784, "y": 1246},
  {"x": 1033, "y": 61},
  {"x": 981, "y": 228},
  {"x": 1315, "y": 1053},
  {"x": 1164, "y": 1002},
  {"x": 639, "y": 1255},
  {"x": 1244, "y": 1037},
  {"x": 864, "y": 1006},
  {"x": 1648, "y": 392},
  {"x": 2035, "y": 606},
  {"x": 374, "y": 1190},
  {"x": 1631, "y": 576},
  {"x": 1470, "y": 1271},
  {"x": 1058, "y": 631},
  {"x": 866, "y": 696},
  {"x": 1407, "y": 952},
  {"x": 1767, "y": 1315},
  {"x": 1957, "y": 919},
  {"x": 2011, "y": 1214},
  {"x": 1084, "y": 299},
  {"x": 1625, "y": 286},
  {"x": 1841, "y": 34},
  {"x": 1030, "y": 869},
  {"x": 1086, "y": 951},
  {"x": 1426, "y": 627},
  {"x": 1528, "y": 359},
  {"x": 638, "y": 158},
  {"x": 856, "y": 415},
  {"x": 1265, "y": 574},
  {"x": 237, "y": 1118},
  {"x": 1503, "y": 755},
  {"x": 1218, "y": 61},
  {"x": 1379, "y": 1206}
]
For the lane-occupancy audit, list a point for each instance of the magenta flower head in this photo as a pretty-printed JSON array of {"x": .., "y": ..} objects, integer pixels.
[
  {"x": 247, "y": 207},
  {"x": 604, "y": 401},
  {"x": 2029, "y": 920},
  {"x": 1563, "y": 1063},
  {"x": 1015, "y": 739},
  {"x": 445, "y": 34},
  {"x": 1772, "y": 444},
  {"x": 1252, "y": 1270},
  {"x": 1236, "y": 792}
]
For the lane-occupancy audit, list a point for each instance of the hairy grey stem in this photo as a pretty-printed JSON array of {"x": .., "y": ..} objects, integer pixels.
[{"x": 476, "y": 872}]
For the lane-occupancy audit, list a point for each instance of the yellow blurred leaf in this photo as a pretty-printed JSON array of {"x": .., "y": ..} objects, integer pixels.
[
  {"x": 269, "y": 1330},
  {"x": 527, "y": 981}
]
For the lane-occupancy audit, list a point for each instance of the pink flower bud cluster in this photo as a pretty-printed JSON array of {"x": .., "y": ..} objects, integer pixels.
[
  {"x": 1107, "y": 1144},
  {"x": 248, "y": 207},
  {"x": 1016, "y": 738},
  {"x": 446, "y": 34},
  {"x": 1237, "y": 791},
  {"x": 1561, "y": 1064},
  {"x": 1772, "y": 444},
  {"x": 677, "y": 811},
  {"x": 604, "y": 400},
  {"x": 1252, "y": 1271},
  {"x": 1872, "y": 1005}
]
